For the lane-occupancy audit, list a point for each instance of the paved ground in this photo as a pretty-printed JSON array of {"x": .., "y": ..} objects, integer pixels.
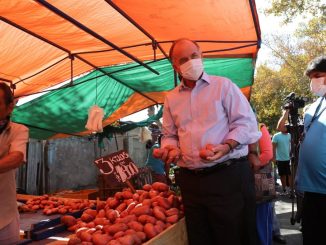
[{"x": 283, "y": 208}]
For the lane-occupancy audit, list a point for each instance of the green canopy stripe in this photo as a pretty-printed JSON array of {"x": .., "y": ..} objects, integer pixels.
[{"x": 66, "y": 110}]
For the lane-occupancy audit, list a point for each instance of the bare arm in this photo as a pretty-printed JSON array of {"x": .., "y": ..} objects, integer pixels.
[
  {"x": 253, "y": 156},
  {"x": 11, "y": 161},
  {"x": 281, "y": 123}
]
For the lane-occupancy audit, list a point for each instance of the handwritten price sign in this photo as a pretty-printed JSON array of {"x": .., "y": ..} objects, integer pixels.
[{"x": 119, "y": 165}]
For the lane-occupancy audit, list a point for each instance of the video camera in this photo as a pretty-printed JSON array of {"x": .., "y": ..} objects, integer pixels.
[{"x": 293, "y": 102}]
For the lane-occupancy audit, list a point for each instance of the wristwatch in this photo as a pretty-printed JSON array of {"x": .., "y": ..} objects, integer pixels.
[{"x": 229, "y": 145}]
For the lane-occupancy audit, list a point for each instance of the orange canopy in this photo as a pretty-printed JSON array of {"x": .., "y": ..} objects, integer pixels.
[{"x": 43, "y": 43}]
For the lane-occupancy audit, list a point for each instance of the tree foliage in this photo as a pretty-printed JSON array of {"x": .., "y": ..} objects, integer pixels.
[
  {"x": 273, "y": 82},
  {"x": 293, "y": 8}
]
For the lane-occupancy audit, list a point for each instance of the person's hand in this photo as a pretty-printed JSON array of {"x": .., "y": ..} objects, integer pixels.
[
  {"x": 219, "y": 150},
  {"x": 254, "y": 161},
  {"x": 171, "y": 154}
]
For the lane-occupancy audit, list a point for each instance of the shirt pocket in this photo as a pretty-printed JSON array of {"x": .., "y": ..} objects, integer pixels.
[{"x": 210, "y": 113}]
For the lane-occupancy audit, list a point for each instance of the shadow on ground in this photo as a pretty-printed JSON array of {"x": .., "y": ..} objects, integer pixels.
[{"x": 283, "y": 208}]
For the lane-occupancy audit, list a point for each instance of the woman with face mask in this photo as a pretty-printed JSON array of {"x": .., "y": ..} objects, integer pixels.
[{"x": 311, "y": 174}]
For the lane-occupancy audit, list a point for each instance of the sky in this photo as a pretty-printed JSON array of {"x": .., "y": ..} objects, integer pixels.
[{"x": 269, "y": 25}]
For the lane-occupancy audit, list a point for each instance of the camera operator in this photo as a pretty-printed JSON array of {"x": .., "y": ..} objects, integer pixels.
[
  {"x": 281, "y": 152},
  {"x": 311, "y": 174},
  {"x": 281, "y": 125}
]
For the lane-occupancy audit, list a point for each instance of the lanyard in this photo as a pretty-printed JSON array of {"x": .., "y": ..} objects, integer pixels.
[{"x": 315, "y": 115}]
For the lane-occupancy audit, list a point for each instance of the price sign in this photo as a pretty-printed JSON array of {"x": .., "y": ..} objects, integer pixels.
[{"x": 118, "y": 165}]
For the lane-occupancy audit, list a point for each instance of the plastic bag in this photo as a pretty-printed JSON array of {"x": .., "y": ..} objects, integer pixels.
[{"x": 95, "y": 118}]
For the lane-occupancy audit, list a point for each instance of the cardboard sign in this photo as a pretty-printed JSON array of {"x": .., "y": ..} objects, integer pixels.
[{"x": 118, "y": 164}]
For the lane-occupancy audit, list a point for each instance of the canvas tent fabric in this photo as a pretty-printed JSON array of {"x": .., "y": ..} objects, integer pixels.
[
  {"x": 44, "y": 43},
  {"x": 64, "y": 112}
]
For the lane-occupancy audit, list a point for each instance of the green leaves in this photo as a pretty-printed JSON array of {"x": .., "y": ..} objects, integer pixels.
[
  {"x": 291, "y": 9},
  {"x": 273, "y": 82}
]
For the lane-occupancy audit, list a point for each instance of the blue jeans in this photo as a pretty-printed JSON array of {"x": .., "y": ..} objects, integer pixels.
[{"x": 264, "y": 220}]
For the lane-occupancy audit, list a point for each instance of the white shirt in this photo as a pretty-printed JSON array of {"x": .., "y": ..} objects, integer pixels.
[
  {"x": 212, "y": 112},
  {"x": 13, "y": 138}
]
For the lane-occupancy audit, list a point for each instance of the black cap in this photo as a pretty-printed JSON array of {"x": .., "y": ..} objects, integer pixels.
[{"x": 316, "y": 65}]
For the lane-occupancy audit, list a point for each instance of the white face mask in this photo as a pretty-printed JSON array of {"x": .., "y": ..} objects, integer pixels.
[
  {"x": 317, "y": 86},
  {"x": 192, "y": 69}
]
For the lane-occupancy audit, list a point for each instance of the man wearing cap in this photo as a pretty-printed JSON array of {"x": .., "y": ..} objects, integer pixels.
[
  {"x": 311, "y": 173},
  {"x": 13, "y": 139},
  {"x": 218, "y": 193}
]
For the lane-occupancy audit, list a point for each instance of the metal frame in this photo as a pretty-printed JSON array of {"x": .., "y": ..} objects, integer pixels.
[
  {"x": 87, "y": 80},
  {"x": 228, "y": 49},
  {"x": 258, "y": 33},
  {"x": 46, "y": 68},
  {"x": 139, "y": 27},
  {"x": 91, "y": 32},
  {"x": 5, "y": 80},
  {"x": 154, "y": 43},
  {"x": 12, "y": 85},
  {"x": 254, "y": 15},
  {"x": 214, "y": 41},
  {"x": 162, "y": 42}
]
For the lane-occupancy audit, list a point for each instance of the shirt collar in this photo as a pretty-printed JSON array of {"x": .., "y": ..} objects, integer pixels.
[
  {"x": 204, "y": 78},
  {"x": 8, "y": 127}
]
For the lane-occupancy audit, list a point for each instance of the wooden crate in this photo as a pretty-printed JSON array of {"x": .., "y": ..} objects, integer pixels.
[
  {"x": 82, "y": 194},
  {"x": 174, "y": 235}
]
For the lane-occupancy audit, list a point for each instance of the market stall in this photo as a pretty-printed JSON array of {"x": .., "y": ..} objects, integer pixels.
[
  {"x": 114, "y": 54},
  {"x": 152, "y": 212}
]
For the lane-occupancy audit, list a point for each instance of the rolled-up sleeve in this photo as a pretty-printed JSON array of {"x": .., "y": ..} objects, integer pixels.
[
  {"x": 169, "y": 129},
  {"x": 243, "y": 126},
  {"x": 19, "y": 140}
]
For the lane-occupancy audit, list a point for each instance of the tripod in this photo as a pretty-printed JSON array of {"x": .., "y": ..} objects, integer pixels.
[{"x": 295, "y": 128}]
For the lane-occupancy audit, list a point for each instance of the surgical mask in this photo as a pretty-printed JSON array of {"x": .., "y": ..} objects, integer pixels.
[
  {"x": 317, "y": 86},
  {"x": 192, "y": 69}
]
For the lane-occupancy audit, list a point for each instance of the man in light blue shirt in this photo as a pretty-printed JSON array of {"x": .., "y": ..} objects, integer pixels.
[
  {"x": 311, "y": 173},
  {"x": 218, "y": 191},
  {"x": 281, "y": 151}
]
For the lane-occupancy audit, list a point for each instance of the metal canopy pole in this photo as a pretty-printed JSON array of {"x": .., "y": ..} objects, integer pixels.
[
  {"x": 257, "y": 29},
  {"x": 5, "y": 80},
  {"x": 71, "y": 57},
  {"x": 90, "y": 79},
  {"x": 112, "y": 49},
  {"x": 132, "y": 21},
  {"x": 93, "y": 33},
  {"x": 12, "y": 85},
  {"x": 46, "y": 68},
  {"x": 215, "y": 41},
  {"x": 77, "y": 56},
  {"x": 228, "y": 49}
]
